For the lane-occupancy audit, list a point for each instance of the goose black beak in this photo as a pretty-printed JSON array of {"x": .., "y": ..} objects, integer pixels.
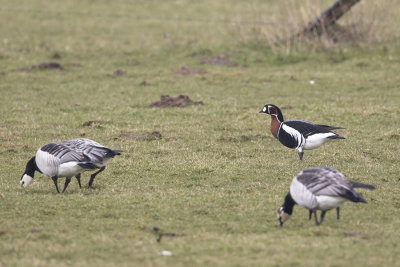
[
  {"x": 261, "y": 111},
  {"x": 280, "y": 222}
]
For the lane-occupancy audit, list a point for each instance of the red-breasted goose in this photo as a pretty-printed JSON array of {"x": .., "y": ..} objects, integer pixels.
[
  {"x": 68, "y": 159},
  {"x": 321, "y": 188},
  {"x": 301, "y": 135}
]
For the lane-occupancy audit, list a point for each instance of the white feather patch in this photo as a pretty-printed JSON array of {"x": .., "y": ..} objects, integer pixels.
[
  {"x": 329, "y": 202},
  {"x": 316, "y": 140},
  {"x": 47, "y": 163},
  {"x": 302, "y": 196},
  {"x": 26, "y": 180},
  {"x": 69, "y": 169},
  {"x": 294, "y": 133}
]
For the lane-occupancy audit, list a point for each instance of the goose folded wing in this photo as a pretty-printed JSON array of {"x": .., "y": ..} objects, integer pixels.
[
  {"x": 96, "y": 154},
  {"x": 328, "y": 186},
  {"x": 64, "y": 152},
  {"x": 306, "y": 128},
  {"x": 325, "y": 181}
]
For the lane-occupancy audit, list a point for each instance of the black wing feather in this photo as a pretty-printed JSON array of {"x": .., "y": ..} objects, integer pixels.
[{"x": 307, "y": 128}]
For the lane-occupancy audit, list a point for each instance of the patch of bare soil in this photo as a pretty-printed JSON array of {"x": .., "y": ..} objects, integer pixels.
[
  {"x": 148, "y": 136},
  {"x": 91, "y": 123},
  {"x": 56, "y": 56},
  {"x": 48, "y": 65},
  {"x": 179, "y": 101},
  {"x": 119, "y": 72},
  {"x": 42, "y": 66},
  {"x": 190, "y": 71},
  {"x": 218, "y": 60}
]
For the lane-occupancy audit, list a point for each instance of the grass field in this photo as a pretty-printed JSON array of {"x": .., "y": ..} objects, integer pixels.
[{"x": 216, "y": 178}]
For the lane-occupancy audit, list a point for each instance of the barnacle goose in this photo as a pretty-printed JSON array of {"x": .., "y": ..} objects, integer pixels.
[
  {"x": 298, "y": 134},
  {"x": 321, "y": 188},
  {"x": 68, "y": 159}
]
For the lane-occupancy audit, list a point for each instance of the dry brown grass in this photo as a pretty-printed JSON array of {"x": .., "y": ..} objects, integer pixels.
[{"x": 368, "y": 24}]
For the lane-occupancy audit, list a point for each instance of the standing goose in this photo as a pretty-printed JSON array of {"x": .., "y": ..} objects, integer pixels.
[
  {"x": 68, "y": 159},
  {"x": 298, "y": 134},
  {"x": 322, "y": 189}
]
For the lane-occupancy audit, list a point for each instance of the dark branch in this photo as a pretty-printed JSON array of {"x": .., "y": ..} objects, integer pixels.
[{"x": 328, "y": 17}]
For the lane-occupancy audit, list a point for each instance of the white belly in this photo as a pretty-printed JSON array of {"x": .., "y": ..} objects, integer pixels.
[
  {"x": 69, "y": 169},
  {"x": 316, "y": 140},
  {"x": 328, "y": 202}
]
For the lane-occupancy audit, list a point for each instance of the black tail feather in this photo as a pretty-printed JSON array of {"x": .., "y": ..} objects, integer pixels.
[
  {"x": 88, "y": 165},
  {"x": 336, "y": 137},
  {"x": 361, "y": 185},
  {"x": 354, "y": 196},
  {"x": 117, "y": 152},
  {"x": 111, "y": 153},
  {"x": 361, "y": 199},
  {"x": 330, "y": 127}
]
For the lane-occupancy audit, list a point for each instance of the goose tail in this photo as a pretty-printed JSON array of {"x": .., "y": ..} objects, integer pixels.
[
  {"x": 111, "y": 153},
  {"x": 328, "y": 127},
  {"x": 336, "y": 136},
  {"x": 361, "y": 185}
]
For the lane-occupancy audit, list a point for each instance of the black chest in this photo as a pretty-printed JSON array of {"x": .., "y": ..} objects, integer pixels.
[{"x": 287, "y": 139}]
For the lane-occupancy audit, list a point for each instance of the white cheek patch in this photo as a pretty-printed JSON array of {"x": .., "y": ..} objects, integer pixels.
[
  {"x": 26, "y": 180},
  {"x": 264, "y": 109}
]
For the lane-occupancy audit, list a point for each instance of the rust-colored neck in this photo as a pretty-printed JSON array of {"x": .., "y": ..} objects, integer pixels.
[{"x": 275, "y": 124}]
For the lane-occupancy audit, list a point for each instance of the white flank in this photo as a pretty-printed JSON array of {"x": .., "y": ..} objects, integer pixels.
[
  {"x": 26, "y": 180},
  {"x": 329, "y": 202},
  {"x": 70, "y": 169},
  {"x": 316, "y": 140},
  {"x": 294, "y": 133}
]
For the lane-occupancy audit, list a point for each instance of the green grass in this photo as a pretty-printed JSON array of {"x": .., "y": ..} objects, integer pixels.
[{"x": 216, "y": 177}]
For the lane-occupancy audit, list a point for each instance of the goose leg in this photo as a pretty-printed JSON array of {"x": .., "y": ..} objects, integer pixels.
[
  {"x": 94, "y": 175},
  {"x": 301, "y": 153},
  {"x": 54, "y": 178},
  {"x": 310, "y": 212},
  {"x": 322, "y": 216},
  {"x": 78, "y": 177},
  {"x": 338, "y": 213},
  {"x": 316, "y": 219},
  {"x": 67, "y": 181}
]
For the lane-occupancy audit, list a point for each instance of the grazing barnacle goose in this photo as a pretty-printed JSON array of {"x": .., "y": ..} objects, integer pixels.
[
  {"x": 68, "y": 159},
  {"x": 322, "y": 189},
  {"x": 298, "y": 134}
]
